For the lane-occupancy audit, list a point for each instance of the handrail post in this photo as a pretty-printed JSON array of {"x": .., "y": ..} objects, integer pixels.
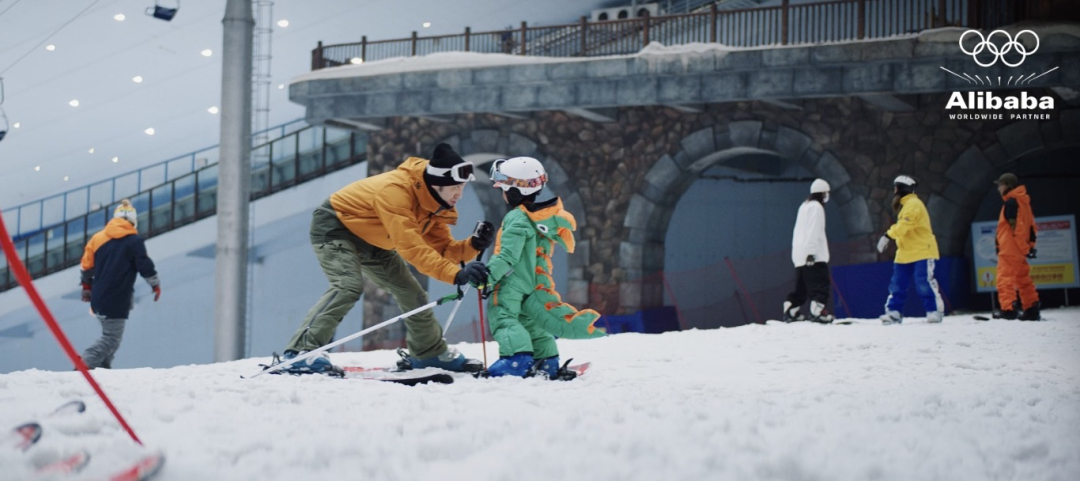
[
  {"x": 363, "y": 48},
  {"x": 414, "y": 43},
  {"x": 584, "y": 27},
  {"x": 862, "y": 19},
  {"x": 645, "y": 30},
  {"x": 523, "y": 37},
  {"x": 467, "y": 32},
  {"x": 712, "y": 22},
  {"x": 784, "y": 22},
  {"x": 316, "y": 57},
  {"x": 941, "y": 14}
]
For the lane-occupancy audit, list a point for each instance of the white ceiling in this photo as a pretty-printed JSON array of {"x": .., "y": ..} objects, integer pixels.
[{"x": 96, "y": 58}]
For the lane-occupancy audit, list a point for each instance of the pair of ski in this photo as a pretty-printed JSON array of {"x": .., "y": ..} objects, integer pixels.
[
  {"x": 388, "y": 374},
  {"x": 26, "y": 435}
]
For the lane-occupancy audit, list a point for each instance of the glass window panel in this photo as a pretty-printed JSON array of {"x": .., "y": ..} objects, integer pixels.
[
  {"x": 127, "y": 185},
  {"x": 185, "y": 186},
  {"x": 53, "y": 210},
  {"x": 76, "y": 203},
  {"x": 309, "y": 138},
  {"x": 153, "y": 176},
  {"x": 179, "y": 167},
  {"x": 76, "y": 238},
  {"x": 101, "y": 194},
  {"x": 95, "y": 221},
  {"x": 284, "y": 172},
  {"x": 30, "y": 218},
  {"x": 55, "y": 245},
  {"x": 206, "y": 157},
  {"x": 207, "y": 178},
  {"x": 336, "y": 135},
  {"x": 310, "y": 162},
  {"x": 207, "y": 200},
  {"x": 35, "y": 254},
  {"x": 260, "y": 178},
  {"x": 283, "y": 149},
  {"x": 260, "y": 155}
]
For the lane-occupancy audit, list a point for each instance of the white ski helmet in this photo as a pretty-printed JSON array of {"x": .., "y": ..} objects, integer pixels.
[
  {"x": 904, "y": 180},
  {"x": 525, "y": 174},
  {"x": 819, "y": 186}
]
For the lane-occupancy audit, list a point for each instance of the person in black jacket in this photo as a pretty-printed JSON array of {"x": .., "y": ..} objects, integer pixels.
[{"x": 112, "y": 258}]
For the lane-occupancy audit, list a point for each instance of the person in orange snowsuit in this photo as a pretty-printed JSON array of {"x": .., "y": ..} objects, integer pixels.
[{"x": 1015, "y": 242}]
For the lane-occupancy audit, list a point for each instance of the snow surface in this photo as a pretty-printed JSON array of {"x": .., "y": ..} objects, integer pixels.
[{"x": 960, "y": 400}]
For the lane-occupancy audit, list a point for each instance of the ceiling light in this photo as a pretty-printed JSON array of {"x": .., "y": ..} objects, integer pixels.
[
  {"x": 207, "y": 53},
  {"x": 281, "y": 87},
  {"x": 16, "y": 125},
  {"x": 283, "y": 23},
  {"x": 119, "y": 18},
  {"x": 37, "y": 168},
  {"x": 65, "y": 178},
  {"x": 50, "y": 47},
  {"x": 91, "y": 150},
  {"x": 74, "y": 103},
  {"x": 427, "y": 24},
  {"x": 356, "y": 60},
  {"x": 149, "y": 131},
  {"x": 116, "y": 159},
  {"x": 137, "y": 79},
  {"x": 212, "y": 110}
]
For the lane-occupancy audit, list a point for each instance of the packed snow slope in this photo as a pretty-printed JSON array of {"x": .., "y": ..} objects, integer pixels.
[{"x": 961, "y": 400}]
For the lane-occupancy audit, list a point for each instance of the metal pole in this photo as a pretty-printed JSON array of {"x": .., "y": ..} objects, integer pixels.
[{"x": 230, "y": 309}]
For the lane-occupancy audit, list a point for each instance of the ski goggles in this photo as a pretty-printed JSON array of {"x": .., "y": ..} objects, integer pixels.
[
  {"x": 462, "y": 172},
  {"x": 500, "y": 179}
]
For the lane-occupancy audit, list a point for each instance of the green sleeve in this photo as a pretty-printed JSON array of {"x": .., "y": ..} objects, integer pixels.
[{"x": 514, "y": 232}]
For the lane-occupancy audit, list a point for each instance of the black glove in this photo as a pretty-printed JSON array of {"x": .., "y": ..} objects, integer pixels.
[
  {"x": 475, "y": 273},
  {"x": 1031, "y": 253},
  {"x": 85, "y": 292},
  {"x": 810, "y": 260},
  {"x": 483, "y": 236}
]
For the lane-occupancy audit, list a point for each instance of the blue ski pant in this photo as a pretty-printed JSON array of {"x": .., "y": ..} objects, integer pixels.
[{"x": 925, "y": 284}]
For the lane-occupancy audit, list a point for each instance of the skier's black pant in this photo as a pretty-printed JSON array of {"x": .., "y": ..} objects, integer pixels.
[{"x": 813, "y": 281}]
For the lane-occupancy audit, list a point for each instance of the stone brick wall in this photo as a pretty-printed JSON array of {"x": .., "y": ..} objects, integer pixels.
[{"x": 855, "y": 146}]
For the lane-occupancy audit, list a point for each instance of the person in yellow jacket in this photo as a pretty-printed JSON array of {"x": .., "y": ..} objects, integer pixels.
[
  {"x": 372, "y": 228},
  {"x": 916, "y": 251}
]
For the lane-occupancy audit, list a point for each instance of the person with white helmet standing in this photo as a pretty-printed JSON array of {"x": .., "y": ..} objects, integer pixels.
[
  {"x": 810, "y": 254},
  {"x": 526, "y": 311},
  {"x": 916, "y": 252}
]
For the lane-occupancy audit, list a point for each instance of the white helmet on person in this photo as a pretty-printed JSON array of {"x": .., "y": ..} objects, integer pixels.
[
  {"x": 904, "y": 184},
  {"x": 524, "y": 174},
  {"x": 819, "y": 186}
]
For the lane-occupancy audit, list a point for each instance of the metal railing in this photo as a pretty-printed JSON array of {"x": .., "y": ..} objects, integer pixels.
[
  {"x": 30, "y": 218},
  {"x": 786, "y": 24},
  {"x": 295, "y": 158}
]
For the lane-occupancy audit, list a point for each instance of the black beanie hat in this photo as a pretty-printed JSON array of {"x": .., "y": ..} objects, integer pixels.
[{"x": 443, "y": 157}]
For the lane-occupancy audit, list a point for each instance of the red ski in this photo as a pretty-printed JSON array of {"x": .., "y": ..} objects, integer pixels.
[{"x": 145, "y": 468}]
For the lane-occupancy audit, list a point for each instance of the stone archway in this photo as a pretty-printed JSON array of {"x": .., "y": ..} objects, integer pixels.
[
  {"x": 651, "y": 208},
  {"x": 972, "y": 174},
  {"x": 502, "y": 144}
]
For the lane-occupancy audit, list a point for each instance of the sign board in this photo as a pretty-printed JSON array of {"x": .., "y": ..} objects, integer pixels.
[{"x": 1055, "y": 265}]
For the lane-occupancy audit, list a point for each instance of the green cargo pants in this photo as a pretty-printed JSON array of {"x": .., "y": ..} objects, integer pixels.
[{"x": 346, "y": 260}]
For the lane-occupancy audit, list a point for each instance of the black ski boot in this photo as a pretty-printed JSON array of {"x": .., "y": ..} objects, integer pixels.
[{"x": 1032, "y": 313}]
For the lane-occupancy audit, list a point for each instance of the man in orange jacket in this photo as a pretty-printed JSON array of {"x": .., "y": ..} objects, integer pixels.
[
  {"x": 374, "y": 228},
  {"x": 1015, "y": 241}
]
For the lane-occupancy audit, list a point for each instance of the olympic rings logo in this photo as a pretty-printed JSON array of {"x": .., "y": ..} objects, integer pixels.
[{"x": 999, "y": 52}]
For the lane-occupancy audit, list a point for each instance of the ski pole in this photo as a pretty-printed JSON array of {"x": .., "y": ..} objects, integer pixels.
[
  {"x": 483, "y": 330},
  {"x": 315, "y": 352},
  {"x": 453, "y": 312}
]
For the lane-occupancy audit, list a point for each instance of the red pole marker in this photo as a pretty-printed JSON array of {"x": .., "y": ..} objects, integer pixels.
[{"x": 23, "y": 277}]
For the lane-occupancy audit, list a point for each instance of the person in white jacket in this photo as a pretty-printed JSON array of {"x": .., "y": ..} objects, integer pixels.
[{"x": 810, "y": 254}]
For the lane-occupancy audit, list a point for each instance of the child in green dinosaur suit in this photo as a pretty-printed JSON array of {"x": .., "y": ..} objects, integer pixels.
[{"x": 526, "y": 311}]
